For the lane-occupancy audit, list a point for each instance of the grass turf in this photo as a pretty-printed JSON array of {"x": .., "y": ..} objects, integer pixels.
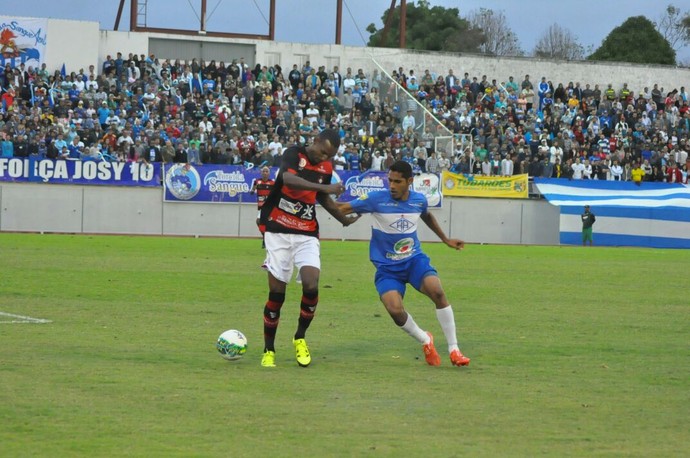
[{"x": 575, "y": 352}]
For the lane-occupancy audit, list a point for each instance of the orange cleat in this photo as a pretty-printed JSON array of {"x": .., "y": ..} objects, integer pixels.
[
  {"x": 458, "y": 359},
  {"x": 430, "y": 353}
]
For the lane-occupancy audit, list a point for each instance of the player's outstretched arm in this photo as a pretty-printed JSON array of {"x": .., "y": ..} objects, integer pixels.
[
  {"x": 430, "y": 220},
  {"x": 334, "y": 209},
  {"x": 345, "y": 208}
]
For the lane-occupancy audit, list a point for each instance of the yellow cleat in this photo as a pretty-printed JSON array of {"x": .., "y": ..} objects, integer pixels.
[
  {"x": 269, "y": 359},
  {"x": 302, "y": 352}
]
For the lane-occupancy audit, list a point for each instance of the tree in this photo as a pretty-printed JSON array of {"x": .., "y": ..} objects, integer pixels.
[
  {"x": 636, "y": 41},
  {"x": 559, "y": 43},
  {"x": 499, "y": 39},
  {"x": 429, "y": 28},
  {"x": 674, "y": 26}
]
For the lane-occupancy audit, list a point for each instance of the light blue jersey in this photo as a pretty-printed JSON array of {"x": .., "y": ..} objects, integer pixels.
[
  {"x": 394, "y": 232},
  {"x": 394, "y": 248}
]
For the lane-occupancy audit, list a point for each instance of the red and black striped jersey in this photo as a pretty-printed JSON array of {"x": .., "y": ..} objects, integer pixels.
[
  {"x": 293, "y": 211},
  {"x": 263, "y": 189}
]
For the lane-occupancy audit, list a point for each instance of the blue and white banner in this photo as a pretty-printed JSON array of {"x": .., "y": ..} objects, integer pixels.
[
  {"x": 80, "y": 172},
  {"x": 232, "y": 183},
  {"x": 22, "y": 41},
  {"x": 655, "y": 215}
]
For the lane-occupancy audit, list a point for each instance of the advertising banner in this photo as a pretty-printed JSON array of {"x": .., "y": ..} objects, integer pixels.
[
  {"x": 228, "y": 183},
  {"x": 513, "y": 187},
  {"x": 52, "y": 171},
  {"x": 22, "y": 41}
]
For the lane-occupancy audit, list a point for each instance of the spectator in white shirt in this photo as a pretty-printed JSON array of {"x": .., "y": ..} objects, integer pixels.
[
  {"x": 587, "y": 173},
  {"x": 312, "y": 113},
  {"x": 408, "y": 121},
  {"x": 339, "y": 161},
  {"x": 578, "y": 169},
  {"x": 275, "y": 147},
  {"x": 443, "y": 163},
  {"x": 377, "y": 161},
  {"x": 507, "y": 167},
  {"x": 616, "y": 171}
]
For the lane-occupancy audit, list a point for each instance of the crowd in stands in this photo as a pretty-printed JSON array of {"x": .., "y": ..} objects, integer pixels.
[{"x": 141, "y": 108}]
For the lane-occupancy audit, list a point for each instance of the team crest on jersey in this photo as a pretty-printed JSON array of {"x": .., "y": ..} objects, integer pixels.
[
  {"x": 402, "y": 224},
  {"x": 302, "y": 163}
]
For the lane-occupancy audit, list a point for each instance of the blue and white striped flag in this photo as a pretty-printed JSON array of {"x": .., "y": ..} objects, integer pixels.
[
  {"x": 568, "y": 193},
  {"x": 649, "y": 215}
]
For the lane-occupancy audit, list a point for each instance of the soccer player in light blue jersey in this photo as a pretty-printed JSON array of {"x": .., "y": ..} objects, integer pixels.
[{"x": 396, "y": 253}]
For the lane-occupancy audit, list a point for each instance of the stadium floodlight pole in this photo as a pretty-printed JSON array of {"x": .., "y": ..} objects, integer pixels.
[{"x": 338, "y": 22}]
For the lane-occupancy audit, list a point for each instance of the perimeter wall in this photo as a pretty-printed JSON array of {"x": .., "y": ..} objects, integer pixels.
[{"x": 34, "y": 207}]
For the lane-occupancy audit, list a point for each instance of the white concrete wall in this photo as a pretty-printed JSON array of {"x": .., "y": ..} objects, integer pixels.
[
  {"x": 73, "y": 43},
  {"x": 637, "y": 76},
  {"x": 36, "y": 207},
  {"x": 81, "y": 43}
]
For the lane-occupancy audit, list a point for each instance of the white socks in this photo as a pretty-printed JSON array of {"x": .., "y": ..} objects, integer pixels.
[
  {"x": 447, "y": 320},
  {"x": 415, "y": 331}
]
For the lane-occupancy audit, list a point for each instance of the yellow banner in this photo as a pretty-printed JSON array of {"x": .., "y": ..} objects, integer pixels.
[{"x": 513, "y": 187}]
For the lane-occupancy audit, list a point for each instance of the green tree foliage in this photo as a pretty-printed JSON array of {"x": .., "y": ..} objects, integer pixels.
[
  {"x": 636, "y": 41},
  {"x": 429, "y": 28}
]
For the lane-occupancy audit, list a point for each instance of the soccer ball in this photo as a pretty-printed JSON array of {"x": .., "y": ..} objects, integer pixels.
[{"x": 231, "y": 345}]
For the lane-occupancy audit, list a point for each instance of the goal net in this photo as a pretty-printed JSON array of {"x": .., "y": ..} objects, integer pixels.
[{"x": 414, "y": 110}]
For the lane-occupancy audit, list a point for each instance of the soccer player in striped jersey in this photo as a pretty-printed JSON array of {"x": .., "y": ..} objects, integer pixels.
[
  {"x": 292, "y": 235},
  {"x": 262, "y": 187},
  {"x": 396, "y": 253}
]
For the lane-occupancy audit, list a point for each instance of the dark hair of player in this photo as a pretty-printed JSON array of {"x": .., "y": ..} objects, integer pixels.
[
  {"x": 403, "y": 168},
  {"x": 330, "y": 135}
]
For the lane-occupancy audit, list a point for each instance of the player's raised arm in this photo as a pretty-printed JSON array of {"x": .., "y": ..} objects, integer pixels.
[{"x": 430, "y": 220}]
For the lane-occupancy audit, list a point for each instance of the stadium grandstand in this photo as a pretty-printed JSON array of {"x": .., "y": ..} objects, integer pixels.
[{"x": 144, "y": 107}]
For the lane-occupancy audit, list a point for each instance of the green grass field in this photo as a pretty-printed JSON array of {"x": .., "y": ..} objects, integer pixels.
[{"x": 575, "y": 352}]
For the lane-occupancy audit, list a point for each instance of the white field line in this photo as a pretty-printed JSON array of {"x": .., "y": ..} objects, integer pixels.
[{"x": 22, "y": 319}]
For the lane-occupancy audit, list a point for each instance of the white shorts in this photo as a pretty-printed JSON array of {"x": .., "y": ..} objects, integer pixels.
[{"x": 284, "y": 252}]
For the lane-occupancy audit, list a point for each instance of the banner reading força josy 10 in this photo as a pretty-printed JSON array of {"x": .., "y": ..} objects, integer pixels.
[{"x": 79, "y": 172}]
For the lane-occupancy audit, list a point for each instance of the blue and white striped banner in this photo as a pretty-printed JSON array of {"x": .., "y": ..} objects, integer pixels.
[
  {"x": 569, "y": 193},
  {"x": 649, "y": 215}
]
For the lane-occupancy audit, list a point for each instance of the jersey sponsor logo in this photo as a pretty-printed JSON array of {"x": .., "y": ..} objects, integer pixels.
[
  {"x": 403, "y": 248},
  {"x": 304, "y": 211},
  {"x": 402, "y": 224},
  {"x": 295, "y": 224},
  {"x": 290, "y": 207}
]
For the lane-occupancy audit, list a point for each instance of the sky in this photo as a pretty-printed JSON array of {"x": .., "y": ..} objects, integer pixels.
[{"x": 313, "y": 21}]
